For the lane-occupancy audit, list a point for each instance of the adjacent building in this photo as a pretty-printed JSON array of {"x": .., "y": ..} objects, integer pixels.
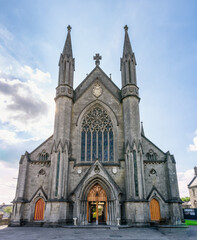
[{"x": 192, "y": 186}]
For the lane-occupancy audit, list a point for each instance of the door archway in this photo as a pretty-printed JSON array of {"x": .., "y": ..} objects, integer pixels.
[
  {"x": 97, "y": 205},
  {"x": 39, "y": 210},
  {"x": 155, "y": 210}
]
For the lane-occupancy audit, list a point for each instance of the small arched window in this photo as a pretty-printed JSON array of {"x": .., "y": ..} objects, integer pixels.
[
  {"x": 43, "y": 156},
  {"x": 97, "y": 137}
]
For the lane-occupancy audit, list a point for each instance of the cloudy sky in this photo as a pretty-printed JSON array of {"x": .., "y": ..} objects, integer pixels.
[{"x": 163, "y": 36}]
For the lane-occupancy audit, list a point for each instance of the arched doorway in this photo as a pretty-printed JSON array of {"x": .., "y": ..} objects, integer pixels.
[
  {"x": 97, "y": 205},
  {"x": 155, "y": 210},
  {"x": 39, "y": 210}
]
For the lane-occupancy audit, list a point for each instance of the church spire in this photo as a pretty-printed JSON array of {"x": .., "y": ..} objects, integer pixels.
[
  {"x": 67, "y": 62},
  {"x": 127, "y": 49},
  {"x": 68, "y": 46},
  {"x": 128, "y": 62}
]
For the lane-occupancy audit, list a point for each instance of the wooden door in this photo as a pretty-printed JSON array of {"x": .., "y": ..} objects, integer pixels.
[
  {"x": 155, "y": 210},
  {"x": 97, "y": 196},
  {"x": 39, "y": 210}
]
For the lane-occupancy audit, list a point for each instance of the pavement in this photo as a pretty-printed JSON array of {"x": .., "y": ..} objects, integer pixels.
[{"x": 41, "y": 233}]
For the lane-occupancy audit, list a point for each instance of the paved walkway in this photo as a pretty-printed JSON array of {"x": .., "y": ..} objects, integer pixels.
[{"x": 37, "y": 233}]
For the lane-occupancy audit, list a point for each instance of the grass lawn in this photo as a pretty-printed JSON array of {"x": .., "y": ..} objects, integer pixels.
[{"x": 190, "y": 222}]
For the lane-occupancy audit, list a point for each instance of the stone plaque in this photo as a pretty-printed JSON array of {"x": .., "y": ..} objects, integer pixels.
[{"x": 97, "y": 90}]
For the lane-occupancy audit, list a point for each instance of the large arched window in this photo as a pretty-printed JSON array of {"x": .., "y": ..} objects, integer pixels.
[{"x": 97, "y": 137}]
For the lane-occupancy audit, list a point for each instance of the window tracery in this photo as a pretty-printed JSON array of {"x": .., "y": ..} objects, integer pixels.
[
  {"x": 43, "y": 156},
  {"x": 97, "y": 139}
]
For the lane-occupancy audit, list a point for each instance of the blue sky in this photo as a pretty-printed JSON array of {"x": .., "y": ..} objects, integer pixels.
[{"x": 163, "y": 35}]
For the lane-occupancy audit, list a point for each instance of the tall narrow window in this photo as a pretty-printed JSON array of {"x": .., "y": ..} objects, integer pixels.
[
  {"x": 83, "y": 146},
  {"x": 57, "y": 174},
  {"x": 105, "y": 145},
  {"x": 88, "y": 146},
  {"x": 97, "y": 136},
  {"x": 100, "y": 145},
  {"x": 94, "y": 143},
  {"x": 111, "y": 146},
  {"x": 135, "y": 173}
]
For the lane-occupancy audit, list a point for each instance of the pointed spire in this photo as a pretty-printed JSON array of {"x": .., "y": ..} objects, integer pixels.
[
  {"x": 142, "y": 129},
  {"x": 127, "y": 44},
  {"x": 68, "y": 46}
]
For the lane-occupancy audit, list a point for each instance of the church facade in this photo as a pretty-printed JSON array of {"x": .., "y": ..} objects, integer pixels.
[{"x": 98, "y": 167}]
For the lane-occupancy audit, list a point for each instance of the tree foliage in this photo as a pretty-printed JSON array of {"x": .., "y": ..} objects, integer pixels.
[
  {"x": 185, "y": 199},
  {"x": 8, "y": 209}
]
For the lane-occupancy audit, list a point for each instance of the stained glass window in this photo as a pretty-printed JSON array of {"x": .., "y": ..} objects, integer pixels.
[
  {"x": 57, "y": 174},
  {"x": 105, "y": 145},
  {"x": 94, "y": 143},
  {"x": 97, "y": 136},
  {"x": 83, "y": 146},
  {"x": 100, "y": 146},
  {"x": 88, "y": 146},
  {"x": 111, "y": 146},
  {"x": 135, "y": 173}
]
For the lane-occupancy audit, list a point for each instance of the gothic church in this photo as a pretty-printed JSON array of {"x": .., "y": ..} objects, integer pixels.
[{"x": 98, "y": 167}]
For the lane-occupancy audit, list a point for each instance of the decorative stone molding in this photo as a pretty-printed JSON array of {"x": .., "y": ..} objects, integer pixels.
[
  {"x": 64, "y": 90},
  {"x": 130, "y": 90}
]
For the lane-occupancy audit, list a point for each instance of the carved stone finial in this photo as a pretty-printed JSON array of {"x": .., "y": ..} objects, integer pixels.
[
  {"x": 69, "y": 28},
  {"x": 97, "y": 57},
  {"x": 126, "y": 28}
]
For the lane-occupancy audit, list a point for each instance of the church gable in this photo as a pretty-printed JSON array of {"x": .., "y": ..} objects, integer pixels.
[
  {"x": 97, "y": 75},
  {"x": 151, "y": 152},
  {"x": 43, "y": 151}
]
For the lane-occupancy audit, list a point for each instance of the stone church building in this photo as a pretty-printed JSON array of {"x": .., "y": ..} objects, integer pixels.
[{"x": 98, "y": 167}]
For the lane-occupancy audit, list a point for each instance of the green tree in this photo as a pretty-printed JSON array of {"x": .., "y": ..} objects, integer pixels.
[
  {"x": 185, "y": 199},
  {"x": 8, "y": 209}
]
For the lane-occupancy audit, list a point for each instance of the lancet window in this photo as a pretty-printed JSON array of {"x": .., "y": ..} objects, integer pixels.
[{"x": 97, "y": 136}]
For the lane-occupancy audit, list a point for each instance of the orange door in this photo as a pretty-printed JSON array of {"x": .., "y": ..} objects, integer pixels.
[
  {"x": 39, "y": 210},
  {"x": 97, "y": 195},
  {"x": 155, "y": 210}
]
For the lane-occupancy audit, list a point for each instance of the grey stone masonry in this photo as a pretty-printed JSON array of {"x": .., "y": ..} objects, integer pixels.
[{"x": 98, "y": 167}]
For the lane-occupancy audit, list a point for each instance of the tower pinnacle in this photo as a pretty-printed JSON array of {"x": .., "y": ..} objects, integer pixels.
[
  {"x": 69, "y": 28},
  {"x": 128, "y": 62},
  {"x": 126, "y": 28},
  {"x": 68, "y": 46}
]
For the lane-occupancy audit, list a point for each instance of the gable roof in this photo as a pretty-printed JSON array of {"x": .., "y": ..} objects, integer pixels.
[
  {"x": 97, "y": 74},
  {"x": 193, "y": 182}
]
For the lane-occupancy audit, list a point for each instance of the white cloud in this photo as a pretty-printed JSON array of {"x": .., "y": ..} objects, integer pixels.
[
  {"x": 35, "y": 74},
  {"x": 193, "y": 147},
  {"x": 10, "y": 138},
  {"x": 184, "y": 178},
  {"x": 8, "y": 181},
  {"x": 25, "y": 107}
]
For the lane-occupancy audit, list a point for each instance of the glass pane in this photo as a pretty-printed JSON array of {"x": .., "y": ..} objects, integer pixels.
[
  {"x": 135, "y": 172},
  {"x": 94, "y": 146},
  {"x": 105, "y": 146},
  {"x": 83, "y": 146},
  {"x": 111, "y": 146},
  {"x": 100, "y": 146},
  {"x": 57, "y": 174},
  {"x": 88, "y": 146}
]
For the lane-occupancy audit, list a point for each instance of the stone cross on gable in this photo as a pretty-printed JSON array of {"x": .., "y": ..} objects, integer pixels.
[{"x": 97, "y": 57}]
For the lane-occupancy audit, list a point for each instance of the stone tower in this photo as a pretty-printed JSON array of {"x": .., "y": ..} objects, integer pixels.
[
  {"x": 58, "y": 184},
  {"x": 134, "y": 179}
]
